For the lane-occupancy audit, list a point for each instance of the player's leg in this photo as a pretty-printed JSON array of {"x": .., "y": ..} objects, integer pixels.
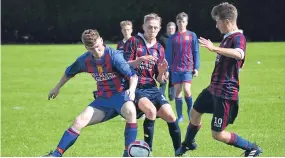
[
  {"x": 225, "y": 112},
  {"x": 171, "y": 89},
  {"x": 187, "y": 80},
  {"x": 166, "y": 113},
  {"x": 72, "y": 133},
  {"x": 146, "y": 106},
  {"x": 203, "y": 104},
  {"x": 177, "y": 81},
  {"x": 128, "y": 111}
]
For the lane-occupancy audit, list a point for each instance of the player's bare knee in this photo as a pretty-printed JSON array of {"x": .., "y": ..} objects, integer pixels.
[
  {"x": 80, "y": 123},
  {"x": 150, "y": 113},
  {"x": 217, "y": 135},
  {"x": 187, "y": 93}
]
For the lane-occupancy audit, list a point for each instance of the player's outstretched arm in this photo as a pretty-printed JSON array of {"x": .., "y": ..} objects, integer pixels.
[
  {"x": 133, "y": 85},
  {"x": 236, "y": 53},
  {"x": 54, "y": 92}
]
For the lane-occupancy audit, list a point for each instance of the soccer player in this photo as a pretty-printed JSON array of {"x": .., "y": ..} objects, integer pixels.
[
  {"x": 221, "y": 96},
  {"x": 182, "y": 52},
  {"x": 126, "y": 29},
  {"x": 146, "y": 55},
  {"x": 108, "y": 67},
  {"x": 170, "y": 30}
]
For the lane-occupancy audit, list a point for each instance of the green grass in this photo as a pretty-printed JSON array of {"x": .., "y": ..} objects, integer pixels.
[{"x": 32, "y": 125}]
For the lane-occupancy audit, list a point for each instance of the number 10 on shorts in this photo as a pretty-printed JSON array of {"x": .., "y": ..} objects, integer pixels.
[{"x": 218, "y": 122}]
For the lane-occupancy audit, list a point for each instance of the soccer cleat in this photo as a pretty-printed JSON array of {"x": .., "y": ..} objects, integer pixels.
[
  {"x": 183, "y": 149},
  {"x": 50, "y": 154},
  {"x": 180, "y": 119},
  {"x": 254, "y": 152}
]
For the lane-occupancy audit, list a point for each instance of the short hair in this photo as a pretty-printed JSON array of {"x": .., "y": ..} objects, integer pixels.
[
  {"x": 182, "y": 15},
  {"x": 89, "y": 37},
  {"x": 225, "y": 11},
  {"x": 171, "y": 24},
  {"x": 125, "y": 23},
  {"x": 152, "y": 16}
]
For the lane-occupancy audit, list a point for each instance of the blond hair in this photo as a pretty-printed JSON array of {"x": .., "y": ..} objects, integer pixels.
[
  {"x": 225, "y": 11},
  {"x": 89, "y": 37},
  {"x": 152, "y": 16},
  {"x": 125, "y": 23},
  {"x": 171, "y": 24},
  {"x": 182, "y": 15}
]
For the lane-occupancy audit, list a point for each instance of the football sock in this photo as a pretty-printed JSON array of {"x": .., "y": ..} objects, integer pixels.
[
  {"x": 175, "y": 134},
  {"x": 192, "y": 131},
  {"x": 239, "y": 142},
  {"x": 67, "y": 140},
  {"x": 189, "y": 105},
  {"x": 148, "y": 127},
  {"x": 179, "y": 102},
  {"x": 131, "y": 130}
]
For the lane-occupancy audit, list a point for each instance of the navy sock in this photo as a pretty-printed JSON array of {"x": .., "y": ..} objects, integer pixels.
[
  {"x": 148, "y": 127},
  {"x": 189, "y": 105},
  {"x": 131, "y": 130},
  {"x": 239, "y": 142},
  {"x": 175, "y": 134},
  {"x": 192, "y": 131},
  {"x": 67, "y": 140},
  {"x": 179, "y": 102}
]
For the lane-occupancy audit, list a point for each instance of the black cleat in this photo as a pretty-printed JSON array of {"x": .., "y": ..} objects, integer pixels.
[
  {"x": 183, "y": 149},
  {"x": 254, "y": 152}
]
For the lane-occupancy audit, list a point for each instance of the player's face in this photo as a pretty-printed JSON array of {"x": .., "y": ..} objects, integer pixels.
[
  {"x": 127, "y": 30},
  {"x": 97, "y": 48},
  {"x": 171, "y": 30},
  {"x": 151, "y": 28},
  {"x": 221, "y": 25},
  {"x": 182, "y": 23}
]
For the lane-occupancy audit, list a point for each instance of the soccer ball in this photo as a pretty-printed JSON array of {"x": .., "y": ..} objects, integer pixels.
[{"x": 139, "y": 148}]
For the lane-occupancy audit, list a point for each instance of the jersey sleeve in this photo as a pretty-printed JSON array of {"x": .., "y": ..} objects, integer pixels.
[
  {"x": 122, "y": 65},
  {"x": 130, "y": 49},
  {"x": 195, "y": 51},
  {"x": 74, "y": 68},
  {"x": 168, "y": 51}
]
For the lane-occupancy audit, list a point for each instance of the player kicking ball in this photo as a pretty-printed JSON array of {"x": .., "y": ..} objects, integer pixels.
[
  {"x": 221, "y": 97},
  {"x": 108, "y": 67}
]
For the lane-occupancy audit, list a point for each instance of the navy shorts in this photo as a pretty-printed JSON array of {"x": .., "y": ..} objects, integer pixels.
[
  {"x": 180, "y": 77},
  {"x": 224, "y": 111},
  {"x": 153, "y": 94}
]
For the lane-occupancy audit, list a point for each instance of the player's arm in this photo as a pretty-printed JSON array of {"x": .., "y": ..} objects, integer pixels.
[
  {"x": 168, "y": 50},
  {"x": 122, "y": 65},
  {"x": 130, "y": 54},
  {"x": 237, "y": 52},
  {"x": 71, "y": 71},
  {"x": 196, "y": 53}
]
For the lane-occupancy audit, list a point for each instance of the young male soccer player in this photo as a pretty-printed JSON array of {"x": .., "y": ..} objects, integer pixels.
[
  {"x": 170, "y": 30},
  {"x": 126, "y": 29},
  {"x": 108, "y": 67},
  {"x": 221, "y": 97},
  {"x": 147, "y": 56},
  {"x": 182, "y": 52}
]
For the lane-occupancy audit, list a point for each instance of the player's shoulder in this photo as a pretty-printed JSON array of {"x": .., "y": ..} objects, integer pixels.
[{"x": 84, "y": 56}]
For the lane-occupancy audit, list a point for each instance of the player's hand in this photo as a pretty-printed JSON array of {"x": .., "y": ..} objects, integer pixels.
[
  {"x": 163, "y": 66},
  {"x": 131, "y": 94},
  {"x": 206, "y": 43},
  {"x": 195, "y": 73},
  {"x": 53, "y": 93},
  {"x": 148, "y": 58}
]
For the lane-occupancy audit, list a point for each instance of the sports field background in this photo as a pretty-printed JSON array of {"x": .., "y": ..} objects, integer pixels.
[{"x": 32, "y": 126}]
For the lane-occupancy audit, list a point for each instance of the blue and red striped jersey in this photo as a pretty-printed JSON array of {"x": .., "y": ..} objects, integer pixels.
[
  {"x": 147, "y": 71},
  {"x": 182, "y": 52},
  {"x": 121, "y": 45},
  {"x": 225, "y": 77},
  {"x": 109, "y": 70}
]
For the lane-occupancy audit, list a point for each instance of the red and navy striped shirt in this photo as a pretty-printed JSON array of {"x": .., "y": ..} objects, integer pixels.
[
  {"x": 121, "y": 45},
  {"x": 109, "y": 71},
  {"x": 225, "y": 77},
  {"x": 135, "y": 47},
  {"x": 182, "y": 52}
]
